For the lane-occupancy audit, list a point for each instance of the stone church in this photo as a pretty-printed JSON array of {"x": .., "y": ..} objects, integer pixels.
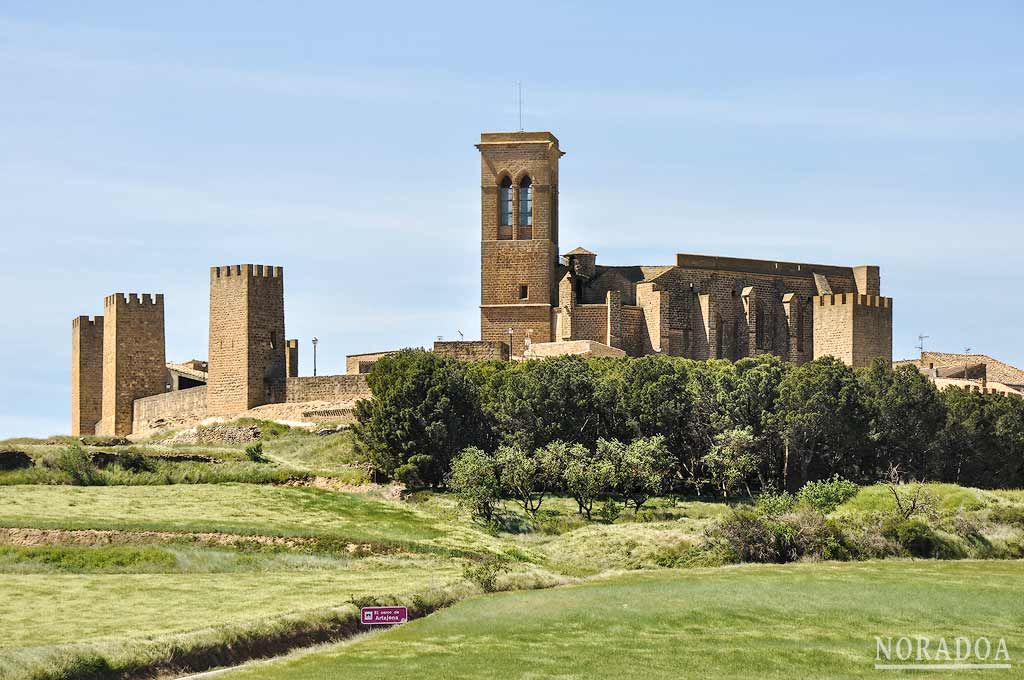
[{"x": 543, "y": 301}]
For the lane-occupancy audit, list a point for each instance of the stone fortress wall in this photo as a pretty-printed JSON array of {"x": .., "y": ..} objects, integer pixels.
[{"x": 531, "y": 297}]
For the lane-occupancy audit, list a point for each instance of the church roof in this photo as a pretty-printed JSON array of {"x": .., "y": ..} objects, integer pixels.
[{"x": 579, "y": 251}]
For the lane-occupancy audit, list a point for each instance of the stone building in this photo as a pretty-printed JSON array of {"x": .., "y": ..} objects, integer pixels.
[
  {"x": 699, "y": 307},
  {"x": 247, "y": 344},
  {"x": 974, "y": 372},
  {"x": 534, "y": 301},
  {"x": 122, "y": 384}
]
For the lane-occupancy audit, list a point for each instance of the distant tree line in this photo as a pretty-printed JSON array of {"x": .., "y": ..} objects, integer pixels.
[{"x": 694, "y": 427}]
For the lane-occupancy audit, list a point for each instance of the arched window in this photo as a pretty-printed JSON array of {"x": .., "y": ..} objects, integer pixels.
[
  {"x": 525, "y": 202},
  {"x": 505, "y": 203}
]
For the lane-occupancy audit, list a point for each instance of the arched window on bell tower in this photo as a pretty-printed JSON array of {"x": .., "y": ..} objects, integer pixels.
[
  {"x": 505, "y": 208},
  {"x": 526, "y": 208}
]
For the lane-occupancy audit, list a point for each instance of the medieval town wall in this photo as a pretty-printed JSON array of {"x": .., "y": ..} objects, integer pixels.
[
  {"x": 331, "y": 388},
  {"x": 180, "y": 406}
]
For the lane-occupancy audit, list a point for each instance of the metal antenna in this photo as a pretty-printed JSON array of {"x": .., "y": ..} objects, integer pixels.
[
  {"x": 461, "y": 336},
  {"x": 519, "y": 85},
  {"x": 920, "y": 342}
]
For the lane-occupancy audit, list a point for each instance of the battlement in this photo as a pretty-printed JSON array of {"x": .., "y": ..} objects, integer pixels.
[
  {"x": 238, "y": 271},
  {"x": 852, "y": 299},
  {"x": 87, "y": 322},
  {"x": 134, "y": 299}
]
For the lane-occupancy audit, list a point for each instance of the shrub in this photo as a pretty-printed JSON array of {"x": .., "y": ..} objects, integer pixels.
[
  {"x": 827, "y": 494},
  {"x": 484, "y": 573},
  {"x": 133, "y": 461},
  {"x": 474, "y": 479},
  {"x": 918, "y": 539},
  {"x": 76, "y": 464},
  {"x": 1008, "y": 514},
  {"x": 862, "y": 537},
  {"x": 816, "y": 537},
  {"x": 609, "y": 511},
  {"x": 254, "y": 452},
  {"x": 753, "y": 537},
  {"x": 554, "y": 523},
  {"x": 773, "y": 503}
]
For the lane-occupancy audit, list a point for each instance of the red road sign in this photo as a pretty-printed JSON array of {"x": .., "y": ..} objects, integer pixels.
[{"x": 383, "y": 616}]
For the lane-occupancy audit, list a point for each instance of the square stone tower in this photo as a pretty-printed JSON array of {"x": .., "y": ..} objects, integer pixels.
[
  {"x": 853, "y": 327},
  {"x": 247, "y": 344},
  {"x": 134, "y": 363},
  {"x": 519, "y": 235},
  {"x": 86, "y": 374}
]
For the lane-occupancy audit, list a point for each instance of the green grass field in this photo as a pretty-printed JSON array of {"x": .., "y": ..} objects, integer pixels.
[
  {"x": 244, "y": 509},
  {"x": 109, "y": 608},
  {"x": 268, "y": 558},
  {"x": 794, "y": 621}
]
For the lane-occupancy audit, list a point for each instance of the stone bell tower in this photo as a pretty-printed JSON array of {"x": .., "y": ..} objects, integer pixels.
[{"x": 519, "y": 236}]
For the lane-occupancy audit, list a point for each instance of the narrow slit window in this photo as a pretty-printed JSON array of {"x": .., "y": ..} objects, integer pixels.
[
  {"x": 525, "y": 202},
  {"x": 524, "y": 291}
]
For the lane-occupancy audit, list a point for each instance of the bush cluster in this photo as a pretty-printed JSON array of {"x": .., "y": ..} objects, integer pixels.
[
  {"x": 729, "y": 428},
  {"x": 787, "y": 527}
]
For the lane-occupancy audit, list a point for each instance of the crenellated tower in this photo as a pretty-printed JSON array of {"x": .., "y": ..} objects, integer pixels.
[
  {"x": 134, "y": 363},
  {"x": 247, "y": 343},
  {"x": 519, "y": 235},
  {"x": 853, "y": 327}
]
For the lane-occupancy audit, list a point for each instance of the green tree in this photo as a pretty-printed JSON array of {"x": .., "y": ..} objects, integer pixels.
[
  {"x": 528, "y": 477},
  {"x": 825, "y": 421},
  {"x": 639, "y": 467},
  {"x": 733, "y": 460},
  {"x": 587, "y": 477},
  {"x": 968, "y": 441},
  {"x": 1010, "y": 432},
  {"x": 656, "y": 396},
  {"x": 906, "y": 413},
  {"x": 549, "y": 400},
  {"x": 749, "y": 397},
  {"x": 423, "y": 412},
  {"x": 474, "y": 479}
]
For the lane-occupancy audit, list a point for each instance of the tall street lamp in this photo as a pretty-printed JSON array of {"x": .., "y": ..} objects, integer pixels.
[{"x": 315, "y": 340}]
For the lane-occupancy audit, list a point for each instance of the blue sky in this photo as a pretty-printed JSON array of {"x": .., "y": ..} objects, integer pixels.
[{"x": 141, "y": 143}]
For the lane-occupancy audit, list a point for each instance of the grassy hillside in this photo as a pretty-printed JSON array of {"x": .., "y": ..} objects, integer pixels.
[
  {"x": 244, "y": 509},
  {"x": 795, "y": 621},
  {"x": 112, "y": 608},
  {"x": 201, "y": 555}
]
